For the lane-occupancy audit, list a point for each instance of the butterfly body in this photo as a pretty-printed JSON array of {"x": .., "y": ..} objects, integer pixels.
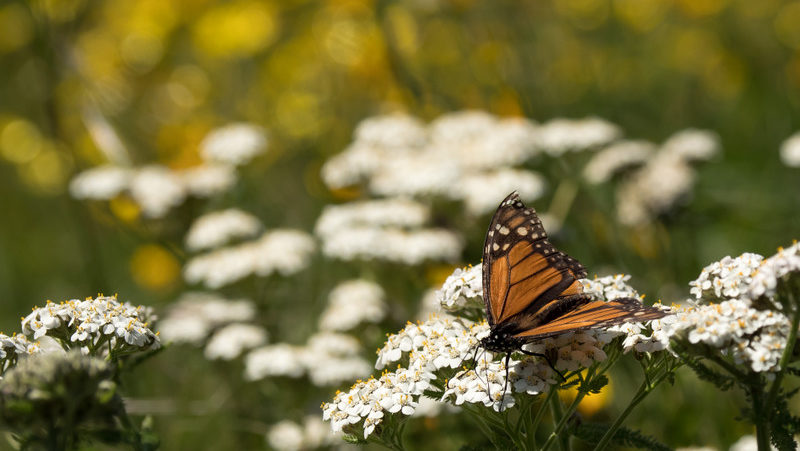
[{"x": 533, "y": 291}]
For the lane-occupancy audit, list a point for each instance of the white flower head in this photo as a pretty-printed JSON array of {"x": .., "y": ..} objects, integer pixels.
[
  {"x": 195, "y": 314},
  {"x": 101, "y": 182},
  {"x": 351, "y": 303},
  {"x": 274, "y": 360},
  {"x": 772, "y": 271},
  {"x": 616, "y": 158},
  {"x": 395, "y": 212},
  {"x": 230, "y": 341},
  {"x": 482, "y": 191},
  {"x": 286, "y": 436},
  {"x": 790, "y": 151},
  {"x": 234, "y": 144},
  {"x": 463, "y": 288},
  {"x": 215, "y": 229},
  {"x": 663, "y": 182},
  {"x": 207, "y": 180},
  {"x": 692, "y": 145},
  {"x": 394, "y": 131},
  {"x": 725, "y": 279},
  {"x": 92, "y": 322},
  {"x": 157, "y": 190},
  {"x": 558, "y": 136},
  {"x": 277, "y": 251}
]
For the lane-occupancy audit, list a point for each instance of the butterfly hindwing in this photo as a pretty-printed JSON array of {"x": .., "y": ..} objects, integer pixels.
[
  {"x": 591, "y": 314},
  {"x": 523, "y": 271}
]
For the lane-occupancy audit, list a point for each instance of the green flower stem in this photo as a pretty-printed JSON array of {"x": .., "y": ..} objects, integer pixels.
[
  {"x": 760, "y": 419},
  {"x": 647, "y": 386},
  {"x": 787, "y": 354},
  {"x": 558, "y": 416},
  {"x": 540, "y": 414}
]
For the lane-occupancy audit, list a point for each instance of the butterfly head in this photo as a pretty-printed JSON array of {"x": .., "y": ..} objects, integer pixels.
[{"x": 499, "y": 340}]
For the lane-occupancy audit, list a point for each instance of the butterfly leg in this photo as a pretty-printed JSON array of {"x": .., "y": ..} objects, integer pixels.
[
  {"x": 474, "y": 364},
  {"x": 547, "y": 359},
  {"x": 505, "y": 385}
]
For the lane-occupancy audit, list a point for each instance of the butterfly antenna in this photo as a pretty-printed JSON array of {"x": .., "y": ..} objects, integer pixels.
[
  {"x": 474, "y": 362},
  {"x": 505, "y": 385}
]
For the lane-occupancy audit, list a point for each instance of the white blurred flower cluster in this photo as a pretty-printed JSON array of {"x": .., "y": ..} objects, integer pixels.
[
  {"x": 282, "y": 251},
  {"x": 468, "y": 156},
  {"x": 790, "y": 151},
  {"x": 217, "y": 228},
  {"x": 351, "y": 303},
  {"x": 157, "y": 189},
  {"x": 192, "y": 317},
  {"x": 312, "y": 434},
  {"x": 223, "y": 326},
  {"x": 328, "y": 358},
  {"x": 665, "y": 178},
  {"x": 387, "y": 229},
  {"x": 94, "y": 324},
  {"x": 13, "y": 347}
]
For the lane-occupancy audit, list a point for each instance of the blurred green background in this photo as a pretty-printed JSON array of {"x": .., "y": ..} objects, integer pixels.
[{"x": 164, "y": 73}]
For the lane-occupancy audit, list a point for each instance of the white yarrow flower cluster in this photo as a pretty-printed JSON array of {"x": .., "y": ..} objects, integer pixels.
[
  {"x": 12, "y": 347},
  {"x": 559, "y": 136},
  {"x": 155, "y": 188},
  {"x": 725, "y": 279},
  {"x": 462, "y": 289},
  {"x": 790, "y": 151},
  {"x": 773, "y": 270},
  {"x": 230, "y": 341},
  {"x": 458, "y": 155},
  {"x": 234, "y": 144},
  {"x": 93, "y": 322},
  {"x": 692, "y": 145},
  {"x": 483, "y": 190},
  {"x": 388, "y": 230},
  {"x": 616, "y": 158},
  {"x": 327, "y": 358},
  {"x": 195, "y": 314},
  {"x": 276, "y": 251},
  {"x": 609, "y": 287},
  {"x": 313, "y": 433},
  {"x": 352, "y": 302},
  {"x": 215, "y": 229},
  {"x": 753, "y": 337},
  {"x": 665, "y": 179}
]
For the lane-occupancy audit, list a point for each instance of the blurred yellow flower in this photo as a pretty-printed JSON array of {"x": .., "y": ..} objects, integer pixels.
[
  {"x": 153, "y": 267},
  {"x": 591, "y": 403},
  {"x": 236, "y": 29},
  {"x": 20, "y": 141},
  {"x": 787, "y": 25},
  {"x": 16, "y": 27},
  {"x": 124, "y": 208},
  {"x": 49, "y": 171}
]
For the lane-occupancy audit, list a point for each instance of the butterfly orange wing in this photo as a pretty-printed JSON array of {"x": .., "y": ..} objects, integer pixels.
[{"x": 522, "y": 270}]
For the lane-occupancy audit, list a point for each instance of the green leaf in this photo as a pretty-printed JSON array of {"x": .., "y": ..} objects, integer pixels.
[
  {"x": 594, "y": 385},
  {"x": 623, "y": 437}
]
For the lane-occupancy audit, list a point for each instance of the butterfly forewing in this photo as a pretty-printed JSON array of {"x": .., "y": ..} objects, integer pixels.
[{"x": 523, "y": 271}]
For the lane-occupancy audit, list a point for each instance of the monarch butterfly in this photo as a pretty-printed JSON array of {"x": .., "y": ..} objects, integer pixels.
[{"x": 532, "y": 290}]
